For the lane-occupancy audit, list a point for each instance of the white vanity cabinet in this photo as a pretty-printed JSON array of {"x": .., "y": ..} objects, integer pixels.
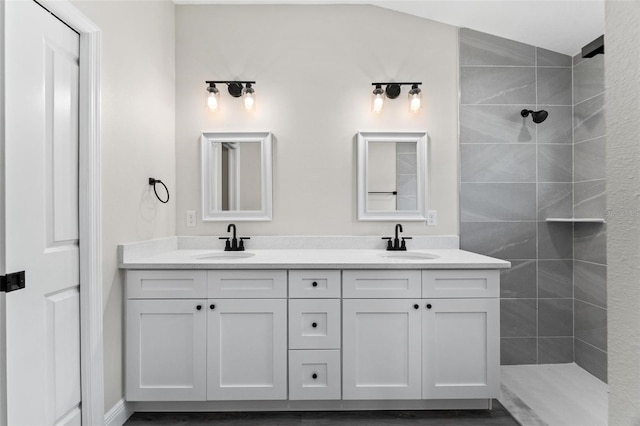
[
  {"x": 460, "y": 348},
  {"x": 197, "y": 335},
  {"x": 291, "y": 337},
  {"x": 314, "y": 334},
  {"x": 246, "y": 349},
  {"x": 166, "y": 336},
  {"x": 396, "y": 347},
  {"x": 381, "y": 349}
]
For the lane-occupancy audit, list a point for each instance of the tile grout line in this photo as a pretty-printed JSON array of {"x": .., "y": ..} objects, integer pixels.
[
  {"x": 537, "y": 223},
  {"x": 573, "y": 213}
]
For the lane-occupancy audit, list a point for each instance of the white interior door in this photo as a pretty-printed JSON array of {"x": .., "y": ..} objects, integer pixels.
[{"x": 42, "y": 320}]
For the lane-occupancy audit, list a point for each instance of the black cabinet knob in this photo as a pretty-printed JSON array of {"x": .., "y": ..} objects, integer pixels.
[
  {"x": 416, "y": 306},
  {"x": 314, "y": 324},
  {"x": 314, "y": 376},
  {"x": 212, "y": 306},
  {"x": 315, "y": 284},
  {"x": 199, "y": 307},
  {"x": 428, "y": 305}
]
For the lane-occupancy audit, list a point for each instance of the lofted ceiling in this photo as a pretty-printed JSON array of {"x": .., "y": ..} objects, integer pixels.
[{"x": 563, "y": 26}]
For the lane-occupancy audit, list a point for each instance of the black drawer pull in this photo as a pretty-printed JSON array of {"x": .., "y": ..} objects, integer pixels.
[
  {"x": 315, "y": 284},
  {"x": 314, "y": 324},
  {"x": 314, "y": 376},
  {"x": 212, "y": 306},
  {"x": 416, "y": 306},
  {"x": 428, "y": 305},
  {"x": 199, "y": 307}
]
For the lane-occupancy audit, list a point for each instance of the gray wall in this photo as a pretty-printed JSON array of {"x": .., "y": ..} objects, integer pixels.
[
  {"x": 514, "y": 174},
  {"x": 590, "y": 257}
]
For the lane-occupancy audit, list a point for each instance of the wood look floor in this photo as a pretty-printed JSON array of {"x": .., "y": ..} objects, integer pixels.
[{"x": 498, "y": 416}]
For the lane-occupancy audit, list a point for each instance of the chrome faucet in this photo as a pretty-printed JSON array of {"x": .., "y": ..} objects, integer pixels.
[
  {"x": 396, "y": 244},
  {"x": 235, "y": 244}
]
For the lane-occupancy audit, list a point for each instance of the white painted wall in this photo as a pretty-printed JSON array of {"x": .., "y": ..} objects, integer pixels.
[
  {"x": 314, "y": 66},
  {"x": 622, "y": 62},
  {"x": 138, "y": 64}
]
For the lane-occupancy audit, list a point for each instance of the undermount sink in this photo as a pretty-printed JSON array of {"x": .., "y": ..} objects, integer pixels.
[
  {"x": 408, "y": 255},
  {"x": 224, "y": 255}
]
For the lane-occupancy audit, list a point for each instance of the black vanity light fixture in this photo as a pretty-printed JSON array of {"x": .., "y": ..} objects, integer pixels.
[
  {"x": 236, "y": 89},
  {"x": 392, "y": 90}
]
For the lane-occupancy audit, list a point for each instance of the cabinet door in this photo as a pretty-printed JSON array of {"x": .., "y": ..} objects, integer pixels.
[
  {"x": 461, "y": 348},
  {"x": 166, "y": 350},
  {"x": 381, "y": 349},
  {"x": 247, "y": 349}
]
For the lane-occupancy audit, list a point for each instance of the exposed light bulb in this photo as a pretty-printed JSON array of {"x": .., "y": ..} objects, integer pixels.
[
  {"x": 213, "y": 99},
  {"x": 378, "y": 99},
  {"x": 249, "y": 97},
  {"x": 415, "y": 98}
]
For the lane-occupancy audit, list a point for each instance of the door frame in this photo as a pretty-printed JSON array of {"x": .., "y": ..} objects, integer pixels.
[{"x": 90, "y": 213}]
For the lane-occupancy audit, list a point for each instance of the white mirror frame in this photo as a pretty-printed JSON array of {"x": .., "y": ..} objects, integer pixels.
[
  {"x": 211, "y": 185},
  {"x": 420, "y": 139}
]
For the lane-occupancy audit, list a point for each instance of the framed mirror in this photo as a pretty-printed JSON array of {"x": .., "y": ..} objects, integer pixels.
[
  {"x": 236, "y": 176},
  {"x": 392, "y": 176}
]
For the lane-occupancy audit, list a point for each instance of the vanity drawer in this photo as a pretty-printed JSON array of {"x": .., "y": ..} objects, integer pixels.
[
  {"x": 161, "y": 284},
  {"x": 266, "y": 284},
  {"x": 314, "y": 324},
  {"x": 381, "y": 284},
  {"x": 461, "y": 283},
  {"x": 304, "y": 284},
  {"x": 314, "y": 375}
]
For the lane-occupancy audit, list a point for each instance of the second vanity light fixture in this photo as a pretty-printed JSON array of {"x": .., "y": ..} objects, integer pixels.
[
  {"x": 392, "y": 90},
  {"x": 236, "y": 89}
]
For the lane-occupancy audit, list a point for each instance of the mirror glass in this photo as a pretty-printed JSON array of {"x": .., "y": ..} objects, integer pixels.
[
  {"x": 391, "y": 176},
  {"x": 236, "y": 176}
]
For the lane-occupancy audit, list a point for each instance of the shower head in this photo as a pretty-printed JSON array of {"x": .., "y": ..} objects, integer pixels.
[{"x": 537, "y": 116}]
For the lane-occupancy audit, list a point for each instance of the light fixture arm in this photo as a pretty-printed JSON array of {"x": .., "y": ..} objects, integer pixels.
[
  {"x": 233, "y": 86},
  {"x": 393, "y": 88},
  {"x": 398, "y": 83}
]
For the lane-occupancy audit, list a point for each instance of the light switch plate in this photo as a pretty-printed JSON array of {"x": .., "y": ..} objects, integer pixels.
[
  {"x": 432, "y": 217},
  {"x": 191, "y": 218}
]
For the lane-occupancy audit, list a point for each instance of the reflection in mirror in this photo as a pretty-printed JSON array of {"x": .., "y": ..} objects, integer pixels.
[
  {"x": 392, "y": 180},
  {"x": 240, "y": 170},
  {"x": 392, "y": 176},
  {"x": 236, "y": 176}
]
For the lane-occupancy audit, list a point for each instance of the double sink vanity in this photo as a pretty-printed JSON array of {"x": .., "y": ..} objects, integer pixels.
[{"x": 315, "y": 323}]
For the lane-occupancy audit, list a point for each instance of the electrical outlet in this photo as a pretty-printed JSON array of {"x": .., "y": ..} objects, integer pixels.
[
  {"x": 191, "y": 218},
  {"x": 432, "y": 217}
]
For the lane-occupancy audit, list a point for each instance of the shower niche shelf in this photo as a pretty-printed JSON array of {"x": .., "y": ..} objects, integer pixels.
[{"x": 575, "y": 220}]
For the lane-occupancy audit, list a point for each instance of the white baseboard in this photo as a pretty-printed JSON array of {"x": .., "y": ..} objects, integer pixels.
[{"x": 118, "y": 414}]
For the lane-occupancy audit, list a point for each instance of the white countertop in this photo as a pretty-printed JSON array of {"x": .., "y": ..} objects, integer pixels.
[{"x": 313, "y": 259}]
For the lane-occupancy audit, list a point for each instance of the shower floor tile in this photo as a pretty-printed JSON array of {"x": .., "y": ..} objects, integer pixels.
[{"x": 554, "y": 395}]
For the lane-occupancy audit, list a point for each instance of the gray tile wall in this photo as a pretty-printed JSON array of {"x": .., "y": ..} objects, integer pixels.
[
  {"x": 514, "y": 174},
  {"x": 590, "y": 260}
]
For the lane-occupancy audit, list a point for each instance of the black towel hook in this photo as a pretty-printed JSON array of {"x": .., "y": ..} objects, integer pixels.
[{"x": 153, "y": 181}]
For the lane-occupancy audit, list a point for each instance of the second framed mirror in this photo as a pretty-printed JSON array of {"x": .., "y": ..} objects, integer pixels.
[{"x": 392, "y": 176}]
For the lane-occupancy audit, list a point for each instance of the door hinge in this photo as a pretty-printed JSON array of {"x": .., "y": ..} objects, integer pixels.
[{"x": 12, "y": 282}]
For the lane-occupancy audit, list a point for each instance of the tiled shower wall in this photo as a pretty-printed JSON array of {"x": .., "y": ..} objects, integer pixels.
[
  {"x": 590, "y": 270},
  {"x": 515, "y": 174}
]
